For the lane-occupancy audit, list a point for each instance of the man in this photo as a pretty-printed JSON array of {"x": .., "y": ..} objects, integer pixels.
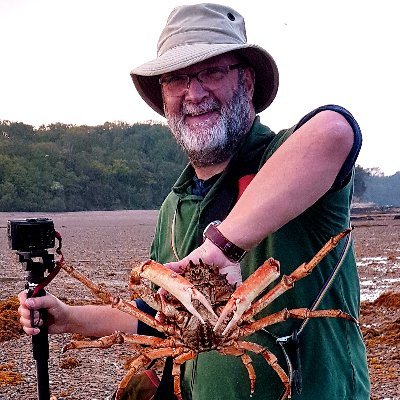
[{"x": 278, "y": 195}]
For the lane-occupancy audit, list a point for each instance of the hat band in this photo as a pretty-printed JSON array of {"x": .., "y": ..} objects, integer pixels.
[{"x": 214, "y": 36}]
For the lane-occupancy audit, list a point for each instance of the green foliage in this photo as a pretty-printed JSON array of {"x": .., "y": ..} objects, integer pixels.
[
  {"x": 62, "y": 167},
  {"x": 71, "y": 168},
  {"x": 383, "y": 190},
  {"x": 370, "y": 185},
  {"x": 360, "y": 181}
]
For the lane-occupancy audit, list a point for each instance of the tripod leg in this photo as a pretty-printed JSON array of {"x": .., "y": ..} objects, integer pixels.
[
  {"x": 40, "y": 349},
  {"x": 41, "y": 353}
]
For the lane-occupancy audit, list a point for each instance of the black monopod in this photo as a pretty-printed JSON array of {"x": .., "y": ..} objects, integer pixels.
[{"x": 31, "y": 238}]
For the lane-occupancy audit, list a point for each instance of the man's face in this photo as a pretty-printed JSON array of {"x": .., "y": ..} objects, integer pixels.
[{"x": 209, "y": 124}]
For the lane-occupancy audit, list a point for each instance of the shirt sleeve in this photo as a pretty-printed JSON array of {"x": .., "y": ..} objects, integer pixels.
[
  {"x": 344, "y": 174},
  {"x": 142, "y": 328}
]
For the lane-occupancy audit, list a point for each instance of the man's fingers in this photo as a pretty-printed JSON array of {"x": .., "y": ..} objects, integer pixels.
[
  {"x": 22, "y": 296},
  {"x": 26, "y": 318},
  {"x": 36, "y": 303},
  {"x": 162, "y": 292},
  {"x": 26, "y": 326},
  {"x": 233, "y": 274},
  {"x": 31, "y": 331},
  {"x": 30, "y": 323},
  {"x": 176, "y": 267}
]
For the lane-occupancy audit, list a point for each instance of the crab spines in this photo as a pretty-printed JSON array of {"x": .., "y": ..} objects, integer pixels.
[
  {"x": 247, "y": 292},
  {"x": 287, "y": 282},
  {"x": 174, "y": 283},
  {"x": 98, "y": 290}
]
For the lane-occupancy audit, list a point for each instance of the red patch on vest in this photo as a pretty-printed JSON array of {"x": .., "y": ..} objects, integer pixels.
[{"x": 243, "y": 183}]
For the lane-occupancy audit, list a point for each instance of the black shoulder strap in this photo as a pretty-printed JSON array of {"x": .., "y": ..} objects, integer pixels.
[
  {"x": 165, "y": 390},
  {"x": 290, "y": 344},
  {"x": 228, "y": 194}
]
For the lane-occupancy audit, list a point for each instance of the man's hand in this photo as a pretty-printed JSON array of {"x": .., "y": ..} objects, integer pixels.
[
  {"x": 57, "y": 313},
  {"x": 212, "y": 255}
]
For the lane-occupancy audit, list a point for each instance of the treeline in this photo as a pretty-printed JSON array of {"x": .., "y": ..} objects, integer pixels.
[
  {"x": 63, "y": 167},
  {"x": 371, "y": 186},
  {"x": 114, "y": 166},
  {"x": 382, "y": 190}
]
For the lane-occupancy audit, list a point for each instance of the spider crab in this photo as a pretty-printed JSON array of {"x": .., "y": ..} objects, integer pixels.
[{"x": 203, "y": 312}]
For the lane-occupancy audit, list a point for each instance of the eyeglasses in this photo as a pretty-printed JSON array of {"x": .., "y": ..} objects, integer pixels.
[{"x": 209, "y": 78}]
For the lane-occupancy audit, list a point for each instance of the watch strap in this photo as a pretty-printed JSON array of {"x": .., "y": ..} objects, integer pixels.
[{"x": 230, "y": 250}]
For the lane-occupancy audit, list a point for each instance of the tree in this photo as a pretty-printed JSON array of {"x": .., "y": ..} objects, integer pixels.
[
  {"x": 360, "y": 184},
  {"x": 63, "y": 167}
]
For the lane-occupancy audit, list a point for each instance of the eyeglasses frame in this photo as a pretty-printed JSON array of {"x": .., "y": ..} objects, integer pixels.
[{"x": 189, "y": 77}]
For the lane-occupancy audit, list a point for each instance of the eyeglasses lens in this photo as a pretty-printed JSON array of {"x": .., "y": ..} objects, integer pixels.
[{"x": 209, "y": 78}]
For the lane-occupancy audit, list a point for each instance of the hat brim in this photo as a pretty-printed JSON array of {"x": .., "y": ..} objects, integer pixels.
[{"x": 147, "y": 75}]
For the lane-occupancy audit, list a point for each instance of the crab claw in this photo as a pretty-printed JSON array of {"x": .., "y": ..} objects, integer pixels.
[
  {"x": 247, "y": 292},
  {"x": 174, "y": 283}
]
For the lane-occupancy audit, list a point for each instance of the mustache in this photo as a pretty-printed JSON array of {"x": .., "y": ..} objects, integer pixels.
[{"x": 201, "y": 108}]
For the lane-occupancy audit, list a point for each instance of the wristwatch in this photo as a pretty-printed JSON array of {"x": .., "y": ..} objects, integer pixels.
[{"x": 230, "y": 250}]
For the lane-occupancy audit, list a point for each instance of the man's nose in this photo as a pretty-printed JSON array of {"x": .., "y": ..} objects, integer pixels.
[{"x": 195, "y": 90}]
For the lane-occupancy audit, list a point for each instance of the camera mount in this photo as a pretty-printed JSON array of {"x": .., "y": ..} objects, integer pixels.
[{"x": 31, "y": 238}]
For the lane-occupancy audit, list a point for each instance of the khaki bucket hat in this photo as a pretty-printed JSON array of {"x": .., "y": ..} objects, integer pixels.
[{"x": 195, "y": 33}]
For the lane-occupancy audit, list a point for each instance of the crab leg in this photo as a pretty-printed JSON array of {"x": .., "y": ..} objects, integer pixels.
[
  {"x": 247, "y": 292},
  {"x": 174, "y": 283},
  {"x": 246, "y": 360},
  {"x": 115, "y": 302},
  {"x": 299, "y": 313},
  {"x": 176, "y": 370},
  {"x": 99, "y": 291},
  {"x": 101, "y": 343},
  {"x": 147, "y": 294},
  {"x": 116, "y": 338},
  {"x": 287, "y": 282},
  {"x": 271, "y": 359},
  {"x": 144, "y": 359}
]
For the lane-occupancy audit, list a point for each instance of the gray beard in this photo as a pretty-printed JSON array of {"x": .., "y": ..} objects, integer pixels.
[{"x": 207, "y": 145}]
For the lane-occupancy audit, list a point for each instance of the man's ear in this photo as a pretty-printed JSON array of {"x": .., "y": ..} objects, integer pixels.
[{"x": 249, "y": 80}]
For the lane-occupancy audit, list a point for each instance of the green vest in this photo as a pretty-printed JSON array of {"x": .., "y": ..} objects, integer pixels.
[{"x": 332, "y": 352}]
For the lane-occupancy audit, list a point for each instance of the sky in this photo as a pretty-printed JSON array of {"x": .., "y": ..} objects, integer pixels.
[{"x": 68, "y": 61}]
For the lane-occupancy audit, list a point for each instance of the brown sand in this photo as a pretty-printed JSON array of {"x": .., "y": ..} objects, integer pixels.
[{"x": 102, "y": 244}]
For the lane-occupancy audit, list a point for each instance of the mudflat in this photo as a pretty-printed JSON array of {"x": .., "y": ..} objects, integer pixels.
[{"x": 104, "y": 245}]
